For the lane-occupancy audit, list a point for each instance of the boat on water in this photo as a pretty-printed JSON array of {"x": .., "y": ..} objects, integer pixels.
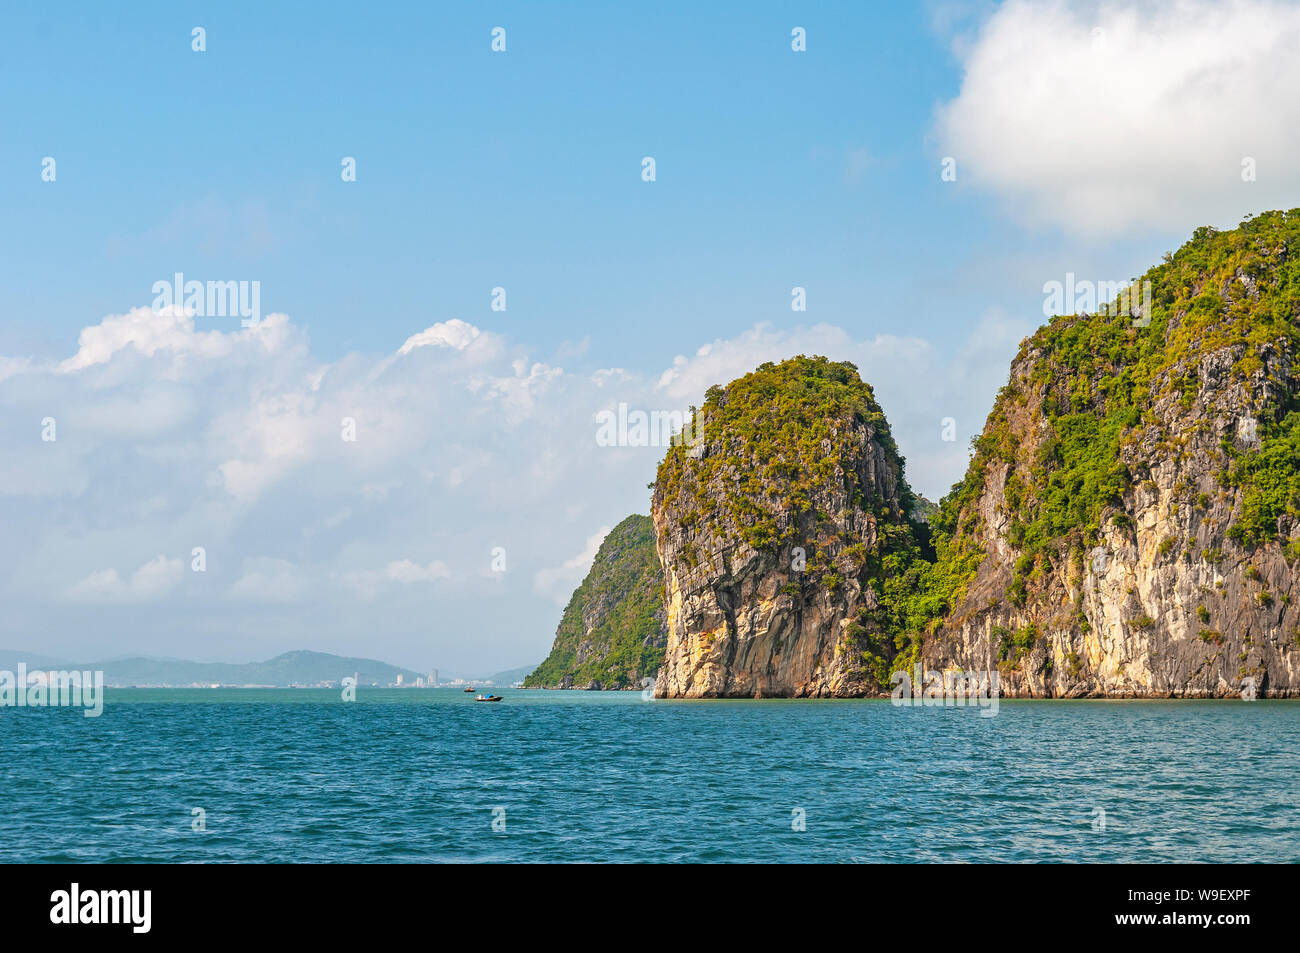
[
  {"x": 467, "y": 689},
  {"x": 488, "y": 698}
]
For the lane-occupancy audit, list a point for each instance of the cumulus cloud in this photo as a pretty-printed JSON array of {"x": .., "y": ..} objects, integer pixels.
[
  {"x": 464, "y": 446},
  {"x": 1106, "y": 118},
  {"x": 148, "y": 331},
  {"x": 270, "y": 580},
  {"x": 518, "y": 394},
  {"x": 405, "y": 571},
  {"x": 369, "y": 583},
  {"x": 170, "y": 331},
  {"x": 151, "y": 581},
  {"x": 721, "y": 361},
  {"x": 455, "y": 334},
  {"x": 557, "y": 583}
]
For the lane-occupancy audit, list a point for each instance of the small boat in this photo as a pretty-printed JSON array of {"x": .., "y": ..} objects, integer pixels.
[
  {"x": 488, "y": 698},
  {"x": 467, "y": 689}
]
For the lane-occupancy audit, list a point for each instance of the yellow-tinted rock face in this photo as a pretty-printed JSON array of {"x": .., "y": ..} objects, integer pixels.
[
  {"x": 775, "y": 617},
  {"x": 1129, "y": 524},
  {"x": 1164, "y": 602}
]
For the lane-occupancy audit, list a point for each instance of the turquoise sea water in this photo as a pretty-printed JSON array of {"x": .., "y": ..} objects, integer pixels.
[{"x": 421, "y": 775}]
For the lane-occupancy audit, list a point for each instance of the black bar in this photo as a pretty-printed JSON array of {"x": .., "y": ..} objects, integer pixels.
[{"x": 500, "y": 903}]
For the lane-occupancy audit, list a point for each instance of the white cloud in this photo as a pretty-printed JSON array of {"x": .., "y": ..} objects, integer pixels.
[
  {"x": 233, "y": 443},
  {"x": 151, "y": 581},
  {"x": 10, "y": 366},
  {"x": 270, "y": 438},
  {"x": 169, "y": 331},
  {"x": 406, "y": 572},
  {"x": 1107, "y": 118},
  {"x": 148, "y": 331},
  {"x": 270, "y": 580},
  {"x": 558, "y": 583},
  {"x": 722, "y": 361},
  {"x": 369, "y": 583},
  {"x": 455, "y": 334}
]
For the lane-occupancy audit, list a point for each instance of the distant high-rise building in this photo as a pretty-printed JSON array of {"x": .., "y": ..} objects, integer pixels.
[
  {"x": 399, "y": 678},
  {"x": 433, "y": 678}
]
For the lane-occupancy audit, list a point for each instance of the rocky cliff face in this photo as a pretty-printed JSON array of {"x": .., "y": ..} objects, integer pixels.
[
  {"x": 612, "y": 633},
  {"x": 1133, "y": 498},
  {"x": 776, "y": 528},
  {"x": 1129, "y": 524}
]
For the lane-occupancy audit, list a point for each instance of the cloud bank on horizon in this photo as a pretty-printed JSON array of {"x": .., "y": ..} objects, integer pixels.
[{"x": 162, "y": 473}]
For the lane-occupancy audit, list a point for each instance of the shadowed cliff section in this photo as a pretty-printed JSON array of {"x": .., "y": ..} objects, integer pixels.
[{"x": 612, "y": 633}]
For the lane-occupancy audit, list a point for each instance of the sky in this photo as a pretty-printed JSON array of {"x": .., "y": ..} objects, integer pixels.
[{"x": 462, "y": 251}]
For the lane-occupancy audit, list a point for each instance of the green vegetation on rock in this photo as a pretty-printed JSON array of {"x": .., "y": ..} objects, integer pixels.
[
  {"x": 1098, "y": 380},
  {"x": 612, "y": 631},
  {"x": 780, "y": 458},
  {"x": 1095, "y": 403},
  {"x": 783, "y": 437}
]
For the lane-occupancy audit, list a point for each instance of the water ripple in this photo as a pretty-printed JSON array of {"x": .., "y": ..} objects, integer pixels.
[{"x": 410, "y": 776}]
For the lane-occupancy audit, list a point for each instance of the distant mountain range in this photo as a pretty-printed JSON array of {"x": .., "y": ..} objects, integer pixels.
[
  {"x": 290, "y": 669},
  {"x": 509, "y": 676}
]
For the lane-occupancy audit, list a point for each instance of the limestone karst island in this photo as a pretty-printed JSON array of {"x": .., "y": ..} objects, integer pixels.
[{"x": 1128, "y": 525}]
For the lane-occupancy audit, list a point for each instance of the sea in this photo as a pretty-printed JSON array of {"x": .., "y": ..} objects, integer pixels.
[{"x": 430, "y": 775}]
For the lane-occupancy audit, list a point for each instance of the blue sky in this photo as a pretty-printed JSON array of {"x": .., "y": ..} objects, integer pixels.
[
  {"x": 522, "y": 169},
  {"x": 478, "y": 170}
]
